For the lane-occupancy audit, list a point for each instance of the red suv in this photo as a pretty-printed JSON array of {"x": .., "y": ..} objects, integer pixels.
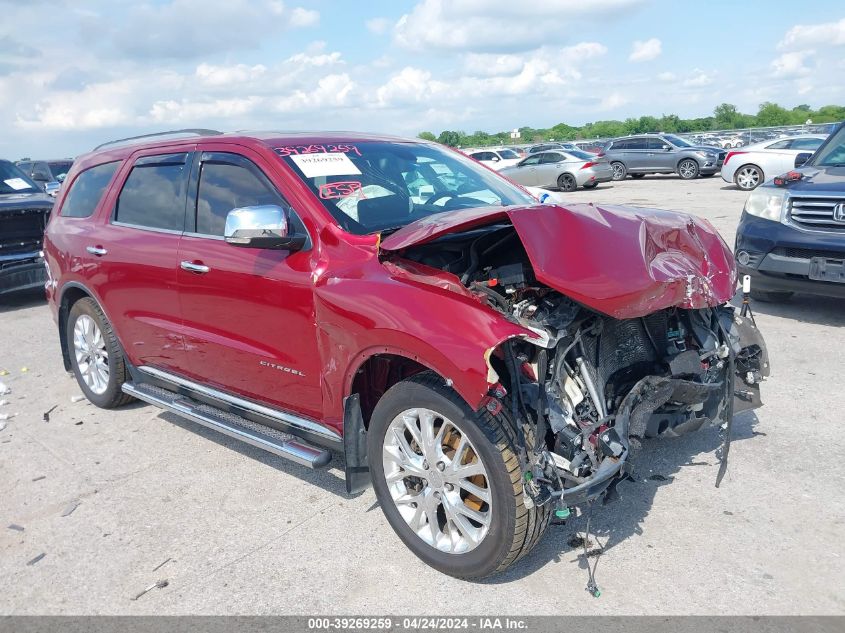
[{"x": 482, "y": 359}]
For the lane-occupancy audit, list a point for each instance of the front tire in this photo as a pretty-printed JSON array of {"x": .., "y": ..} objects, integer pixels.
[
  {"x": 637, "y": 176},
  {"x": 619, "y": 170},
  {"x": 449, "y": 481},
  {"x": 688, "y": 169},
  {"x": 95, "y": 355}
]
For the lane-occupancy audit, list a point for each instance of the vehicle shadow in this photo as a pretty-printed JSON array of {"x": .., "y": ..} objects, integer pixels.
[
  {"x": 330, "y": 479},
  {"x": 813, "y": 309},
  {"x": 655, "y": 464},
  {"x": 22, "y": 300}
]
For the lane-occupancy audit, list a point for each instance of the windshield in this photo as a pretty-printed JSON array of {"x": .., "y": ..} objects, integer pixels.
[
  {"x": 832, "y": 154},
  {"x": 677, "y": 141},
  {"x": 374, "y": 186},
  {"x": 577, "y": 153},
  {"x": 60, "y": 168},
  {"x": 13, "y": 180},
  {"x": 508, "y": 154}
]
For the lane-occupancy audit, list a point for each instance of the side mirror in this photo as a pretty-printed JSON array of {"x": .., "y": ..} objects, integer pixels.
[
  {"x": 802, "y": 158},
  {"x": 495, "y": 158},
  {"x": 263, "y": 226}
]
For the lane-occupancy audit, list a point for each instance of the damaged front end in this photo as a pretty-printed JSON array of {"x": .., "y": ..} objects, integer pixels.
[{"x": 630, "y": 333}]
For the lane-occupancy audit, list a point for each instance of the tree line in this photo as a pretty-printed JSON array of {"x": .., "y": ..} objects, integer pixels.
[{"x": 725, "y": 117}]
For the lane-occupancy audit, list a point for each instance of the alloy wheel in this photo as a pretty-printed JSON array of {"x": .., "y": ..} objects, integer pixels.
[
  {"x": 618, "y": 171},
  {"x": 92, "y": 357},
  {"x": 748, "y": 178},
  {"x": 688, "y": 169},
  {"x": 437, "y": 480}
]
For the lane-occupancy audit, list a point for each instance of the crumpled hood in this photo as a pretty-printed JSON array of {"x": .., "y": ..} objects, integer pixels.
[{"x": 625, "y": 262}]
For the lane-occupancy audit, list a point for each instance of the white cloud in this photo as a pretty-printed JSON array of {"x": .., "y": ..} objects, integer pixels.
[
  {"x": 792, "y": 64},
  {"x": 410, "y": 85},
  {"x": 645, "y": 50},
  {"x": 226, "y": 75},
  {"x": 300, "y": 18},
  {"x": 497, "y": 25},
  {"x": 818, "y": 35},
  {"x": 699, "y": 79},
  {"x": 666, "y": 76},
  {"x": 613, "y": 101},
  {"x": 379, "y": 26},
  {"x": 186, "y": 111}
]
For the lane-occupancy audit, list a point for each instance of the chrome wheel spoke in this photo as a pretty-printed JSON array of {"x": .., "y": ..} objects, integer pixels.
[
  {"x": 92, "y": 357},
  {"x": 429, "y": 484}
]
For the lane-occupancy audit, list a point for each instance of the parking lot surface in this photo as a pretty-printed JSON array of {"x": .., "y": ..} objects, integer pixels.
[{"x": 116, "y": 500}]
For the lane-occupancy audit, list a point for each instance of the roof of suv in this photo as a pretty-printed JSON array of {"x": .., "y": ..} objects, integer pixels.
[{"x": 120, "y": 150}]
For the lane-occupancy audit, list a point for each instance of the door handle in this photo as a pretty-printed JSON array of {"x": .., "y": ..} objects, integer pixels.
[
  {"x": 99, "y": 251},
  {"x": 193, "y": 267}
]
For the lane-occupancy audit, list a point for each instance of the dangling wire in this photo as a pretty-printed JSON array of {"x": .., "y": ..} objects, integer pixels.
[{"x": 592, "y": 587}]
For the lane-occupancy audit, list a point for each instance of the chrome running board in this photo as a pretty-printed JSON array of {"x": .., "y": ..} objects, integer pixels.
[{"x": 252, "y": 433}]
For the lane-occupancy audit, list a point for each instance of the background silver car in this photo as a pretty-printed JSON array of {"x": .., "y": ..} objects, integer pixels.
[{"x": 566, "y": 170}]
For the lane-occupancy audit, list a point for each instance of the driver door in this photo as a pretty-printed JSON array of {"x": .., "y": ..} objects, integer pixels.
[
  {"x": 248, "y": 313},
  {"x": 525, "y": 172}
]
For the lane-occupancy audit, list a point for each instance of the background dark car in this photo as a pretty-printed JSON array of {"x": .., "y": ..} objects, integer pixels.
[
  {"x": 24, "y": 209},
  {"x": 791, "y": 237},
  {"x": 645, "y": 154}
]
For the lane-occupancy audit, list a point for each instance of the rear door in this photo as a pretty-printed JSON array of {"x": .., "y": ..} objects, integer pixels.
[
  {"x": 134, "y": 256},
  {"x": 249, "y": 317}
]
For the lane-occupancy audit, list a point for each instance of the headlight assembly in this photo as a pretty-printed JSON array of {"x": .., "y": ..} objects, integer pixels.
[{"x": 767, "y": 203}]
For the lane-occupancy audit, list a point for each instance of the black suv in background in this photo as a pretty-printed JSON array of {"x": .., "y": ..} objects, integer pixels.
[
  {"x": 791, "y": 237},
  {"x": 24, "y": 209},
  {"x": 662, "y": 154}
]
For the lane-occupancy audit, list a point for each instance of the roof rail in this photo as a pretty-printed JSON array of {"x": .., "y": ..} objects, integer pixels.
[{"x": 188, "y": 131}]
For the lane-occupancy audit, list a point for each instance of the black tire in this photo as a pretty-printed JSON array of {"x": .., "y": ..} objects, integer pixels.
[
  {"x": 770, "y": 296},
  {"x": 591, "y": 185},
  {"x": 688, "y": 169},
  {"x": 619, "y": 170},
  {"x": 514, "y": 528},
  {"x": 637, "y": 176},
  {"x": 566, "y": 182},
  {"x": 748, "y": 177},
  {"x": 112, "y": 396}
]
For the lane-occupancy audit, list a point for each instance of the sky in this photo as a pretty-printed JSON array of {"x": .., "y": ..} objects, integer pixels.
[{"x": 74, "y": 74}]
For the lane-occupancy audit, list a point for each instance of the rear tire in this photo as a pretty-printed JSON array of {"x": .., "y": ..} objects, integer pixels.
[
  {"x": 768, "y": 296},
  {"x": 748, "y": 177},
  {"x": 566, "y": 182},
  {"x": 619, "y": 170},
  {"x": 96, "y": 356},
  {"x": 424, "y": 401}
]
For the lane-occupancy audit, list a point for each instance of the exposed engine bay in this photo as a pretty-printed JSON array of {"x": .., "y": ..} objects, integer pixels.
[{"x": 587, "y": 387}]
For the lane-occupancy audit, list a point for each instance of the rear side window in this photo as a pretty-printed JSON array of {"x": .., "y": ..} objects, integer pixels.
[
  {"x": 224, "y": 187},
  {"x": 806, "y": 143},
  {"x": 86, "y": 190},
  {"x": 154, "y": 193}
]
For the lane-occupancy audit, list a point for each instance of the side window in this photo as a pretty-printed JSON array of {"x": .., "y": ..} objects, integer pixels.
[
  {"x": 638, "y": 143},
  {"x": 654, "y": 143},
  {"x": 226, "y": 186},
  {"x": 806, "y": 143},
  {"x": 779, "y": 145},
  {"x": 531, "y": 160},
  {"x": 551, "y": 157},
  {"x": 619, "y": 145},
  {"x": 86, "y": 190},
  {"x": 154, "y": 193}
]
